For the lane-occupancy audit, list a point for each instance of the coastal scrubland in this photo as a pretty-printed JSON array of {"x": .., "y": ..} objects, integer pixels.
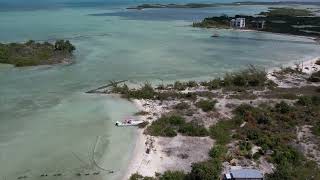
[
  {"x": 249, "y": 78},
  {"x": 33, "y": 53},
  {"x": 258, "y": 119}
]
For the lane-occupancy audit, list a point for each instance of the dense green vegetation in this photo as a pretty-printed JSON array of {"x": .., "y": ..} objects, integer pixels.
[
  {"x": 184, "y": 85},
  {"x": 248, "y": 78},
  {"x": 168, "y": 175},
  {"x": 287, "y": 12},
  {"x": 64, "y": 46},
  {"x": 145, "y": 92},
  {"x": 189, "y": 5},
  {"x": 221, "y": 131},
  {"x": 32, "y": 53},
  {"x": 251, "y": 77},
  {"x": 170, "y": 125},
  {"x": 137, "y": 176},
  {"x": 148, "y": 92},
  {"x": 206, "y": 170},
  {"x": 214, "y": 22},
  {"x": 277, "y": 20}
]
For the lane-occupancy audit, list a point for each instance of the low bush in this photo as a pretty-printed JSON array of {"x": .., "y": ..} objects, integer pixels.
[
  {"x": 218, "y": 152},
  {"x": 290, "y": 96},
  {"x": 213, "y": 84},
  {"x": 141, "y": 113},
  {"x": 189, "y": 95},
  {"x": 263, "y": 118},
  {"x": 309, "y": 101},
  {"x": 168, "y": 126},
  {"x": 245, "y": 145},
  {"x": 206, "y": 170},
  {"x": 145, "y": 92},
  {"x": 206, "y": 105},
  {"x": 173, "y": 175},
  {"x": 288, "y": 70},
  {"x": 191, "y": 84},
  {"x": 137, "y": 176},
  {"x": 166, "y": 95},
  {"x": 315, "y": 77},
  {"x": 245, "y": 148},
  {"x": 62, "y": 45},
  {"x": 290, "y": 164},
  {"x": 283, "y": 107},
  {"x": 124, "y": 89},
  {"x": 316, "y": 128},
  {"x": 248, "y": 78},
  {"x": 193, "y": 129},
  {"x": 165, "y": 126},
  {"x": 180, "y": 86},
  {"x": 182, "y": 106},
  {"x": 242, "y": 109},
  {"x": 221, "y": 131}
]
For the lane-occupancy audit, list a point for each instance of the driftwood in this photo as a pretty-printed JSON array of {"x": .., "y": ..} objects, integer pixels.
[{"x": 112, "y": 83}]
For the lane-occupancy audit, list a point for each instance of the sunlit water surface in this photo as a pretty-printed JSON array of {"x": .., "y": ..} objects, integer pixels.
[{"x": 48, "y": 125}]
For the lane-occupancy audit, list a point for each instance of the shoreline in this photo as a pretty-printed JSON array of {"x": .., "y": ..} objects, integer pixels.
[
  {"x": 139, "y": 155},
  {"x": 139, "y": 148},
  {"x": 314, "y": 39}
]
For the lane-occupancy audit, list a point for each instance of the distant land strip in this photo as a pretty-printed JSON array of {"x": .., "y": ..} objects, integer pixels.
[{"x": 204, "y": 5}]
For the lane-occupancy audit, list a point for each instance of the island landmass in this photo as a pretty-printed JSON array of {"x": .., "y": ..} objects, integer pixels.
[
  {"x": 208, "y": 5},
  {"x": 277, "y": 20},
  {"x": 33, "y": 53}
]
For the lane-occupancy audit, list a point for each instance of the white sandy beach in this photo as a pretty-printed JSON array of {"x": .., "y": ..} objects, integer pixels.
[{"x": 308, "y": 67}]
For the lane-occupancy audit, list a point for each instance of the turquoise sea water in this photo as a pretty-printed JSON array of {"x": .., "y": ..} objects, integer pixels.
[{"x": 48, "y": 125}]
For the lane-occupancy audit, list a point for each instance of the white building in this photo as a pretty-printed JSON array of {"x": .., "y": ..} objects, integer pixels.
[{"x": 238, "y": 23}]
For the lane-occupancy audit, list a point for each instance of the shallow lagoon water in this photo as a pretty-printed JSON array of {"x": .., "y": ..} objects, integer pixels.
[{"x": 48, "y": 125}]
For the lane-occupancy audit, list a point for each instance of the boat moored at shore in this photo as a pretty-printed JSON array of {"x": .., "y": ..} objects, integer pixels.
[{"x": 128, "y": 122}]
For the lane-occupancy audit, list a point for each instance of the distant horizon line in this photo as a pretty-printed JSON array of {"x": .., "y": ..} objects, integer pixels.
[{"x": 17, "y": 5}]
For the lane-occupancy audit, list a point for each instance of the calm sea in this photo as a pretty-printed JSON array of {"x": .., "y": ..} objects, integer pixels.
[{"x": 49, "y": 126}]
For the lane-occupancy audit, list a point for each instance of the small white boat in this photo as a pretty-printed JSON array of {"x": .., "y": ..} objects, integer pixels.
[{"x": 128, "y": 122}]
